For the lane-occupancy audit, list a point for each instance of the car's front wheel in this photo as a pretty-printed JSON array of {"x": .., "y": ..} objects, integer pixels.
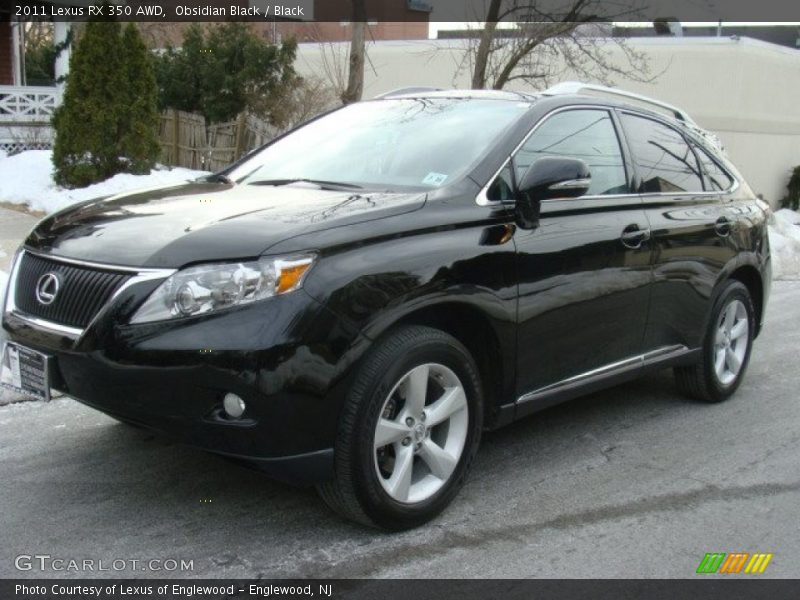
[
  {"x": 409, "y": 430},
  {"x": 726, "y": 348}
]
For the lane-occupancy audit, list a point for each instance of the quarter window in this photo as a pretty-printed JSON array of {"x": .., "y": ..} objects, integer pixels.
[
  {"x": 717, "y": 178},
  {"x": 502, "y": 187},
  {"x": 663, "y": 158},
  {"x": 585, "y": 134}
]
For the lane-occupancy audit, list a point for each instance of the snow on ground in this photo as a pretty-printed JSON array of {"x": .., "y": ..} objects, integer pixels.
[
  {"x": 27, "y": 178},
  {"x": 784, "y": 241}
]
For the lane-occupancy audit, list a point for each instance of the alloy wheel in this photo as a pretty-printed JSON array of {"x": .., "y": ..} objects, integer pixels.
[
  {"x": 421, "y": 433},
  {"x": 731, "y": 340}
]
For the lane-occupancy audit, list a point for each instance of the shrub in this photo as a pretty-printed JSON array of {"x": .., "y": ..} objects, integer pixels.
[
  {"x": 792, "y": 199},
  {"x": 223, "y": 70},
  {"x": 40, "y": 63},
  {"x": 106, "y": 123},
  {"x": 138, "y": 142}
]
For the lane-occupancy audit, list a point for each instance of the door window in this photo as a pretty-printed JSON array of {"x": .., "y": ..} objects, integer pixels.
[
  {"x": 663, "y": 158},
  {"x": 586, "y": 134}
]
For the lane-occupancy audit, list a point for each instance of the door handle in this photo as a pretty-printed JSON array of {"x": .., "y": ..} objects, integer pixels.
[
  {"x": 723, "y": 227},
  {"x": 632, "y": 237}
]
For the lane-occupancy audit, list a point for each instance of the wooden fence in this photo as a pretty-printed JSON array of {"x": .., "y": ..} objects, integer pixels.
[{"x": 186, "y": 140}]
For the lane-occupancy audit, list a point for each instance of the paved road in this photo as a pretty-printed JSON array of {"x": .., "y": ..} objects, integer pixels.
[
  {"x": 14, "y": 227},
  {"x": 634, "y": 481}
]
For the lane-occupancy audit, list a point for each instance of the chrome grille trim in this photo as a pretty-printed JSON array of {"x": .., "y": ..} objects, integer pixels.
[{"x": 138, "y": 275}]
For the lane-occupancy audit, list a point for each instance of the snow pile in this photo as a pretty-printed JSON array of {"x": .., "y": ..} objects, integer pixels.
[
  {"x": 27, "y": 178},
  {"x": 784, "y": 241}
]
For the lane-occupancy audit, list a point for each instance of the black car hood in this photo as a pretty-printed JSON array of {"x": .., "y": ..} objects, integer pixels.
[{"x": 201, "y": 222}]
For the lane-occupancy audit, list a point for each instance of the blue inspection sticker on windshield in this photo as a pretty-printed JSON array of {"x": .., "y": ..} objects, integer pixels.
[{"x": 434, "y": 178}]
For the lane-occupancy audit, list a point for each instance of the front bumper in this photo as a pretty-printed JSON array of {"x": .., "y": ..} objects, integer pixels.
[{"x": 288, "y": 357}]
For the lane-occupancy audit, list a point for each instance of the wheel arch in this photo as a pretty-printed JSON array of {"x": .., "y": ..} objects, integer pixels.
[
  {"x": 492, "y": 350},
  {"x": 750, "y": 277}
]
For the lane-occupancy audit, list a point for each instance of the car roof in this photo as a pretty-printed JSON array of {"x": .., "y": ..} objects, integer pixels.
[
  {"x": 516, "y": 96},
  {"x": 421, "y": 92}
]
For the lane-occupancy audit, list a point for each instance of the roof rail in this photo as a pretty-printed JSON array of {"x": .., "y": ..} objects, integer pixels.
[
  {"x": 408, "y": 90},
  {"x": 575, "y": 87}
]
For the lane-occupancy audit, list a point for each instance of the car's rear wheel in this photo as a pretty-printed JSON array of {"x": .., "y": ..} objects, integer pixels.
[
  {"x": 409, "y": 430},
  {"x": 726, "y": 349}
]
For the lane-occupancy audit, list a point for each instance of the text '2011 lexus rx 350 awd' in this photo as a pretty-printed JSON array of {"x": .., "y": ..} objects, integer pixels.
[{"x": 353, "y": 304}]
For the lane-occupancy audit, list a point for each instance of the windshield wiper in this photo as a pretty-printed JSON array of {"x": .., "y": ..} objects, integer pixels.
[{"x": 321, "y": 183}]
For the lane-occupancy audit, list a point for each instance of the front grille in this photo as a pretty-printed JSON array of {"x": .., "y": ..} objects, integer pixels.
[{"x": 82, "y": 293}]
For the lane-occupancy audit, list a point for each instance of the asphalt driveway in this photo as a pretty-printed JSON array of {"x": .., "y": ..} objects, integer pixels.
[{"x": 631, "y": 482}]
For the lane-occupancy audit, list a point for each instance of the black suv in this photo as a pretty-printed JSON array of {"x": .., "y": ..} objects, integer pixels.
[{"x": 352, "y": 304}]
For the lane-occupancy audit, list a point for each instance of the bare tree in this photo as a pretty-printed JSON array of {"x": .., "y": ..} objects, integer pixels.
[
  {"x": 334, "y": 62},
  {"x": 355, "y": 79},
  {"x": 304, "y": 99},
  {"x": 547, "y": 38}
]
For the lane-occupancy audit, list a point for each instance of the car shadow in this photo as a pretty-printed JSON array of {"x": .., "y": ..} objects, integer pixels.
[{"x": 231, "y": 519}]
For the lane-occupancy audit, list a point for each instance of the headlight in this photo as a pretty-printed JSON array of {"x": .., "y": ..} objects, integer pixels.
[{"x": 208, "y": 288}]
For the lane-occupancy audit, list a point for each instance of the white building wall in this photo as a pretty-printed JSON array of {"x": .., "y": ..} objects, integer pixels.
[{"x": 748, "y": 92}]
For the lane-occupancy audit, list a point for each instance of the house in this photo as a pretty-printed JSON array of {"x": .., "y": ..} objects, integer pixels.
[
  {"x": 26, "y": 111},
  {"x": 386, "y": 20},
  {"x": 326, "y": 22},
  {"x": 7, "y": 45}
]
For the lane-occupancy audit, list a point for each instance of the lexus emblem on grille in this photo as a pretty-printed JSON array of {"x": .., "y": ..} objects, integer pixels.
[{"x": 47, "y": 288}]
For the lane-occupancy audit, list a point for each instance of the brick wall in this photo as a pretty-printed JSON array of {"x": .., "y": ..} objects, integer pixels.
[{"x": 6, "y": 51}]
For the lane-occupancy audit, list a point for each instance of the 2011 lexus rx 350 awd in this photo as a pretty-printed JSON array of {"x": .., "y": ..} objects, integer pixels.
[{"x": 353, "y": 304}]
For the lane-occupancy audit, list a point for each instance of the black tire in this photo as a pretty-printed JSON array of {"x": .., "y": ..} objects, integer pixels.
[
  {"x": 355, "y": 491},
  {"x": 700, "y": 381}
]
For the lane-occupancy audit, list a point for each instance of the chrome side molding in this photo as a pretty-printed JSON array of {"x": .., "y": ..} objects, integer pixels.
[{"x": 616, "y": 368}]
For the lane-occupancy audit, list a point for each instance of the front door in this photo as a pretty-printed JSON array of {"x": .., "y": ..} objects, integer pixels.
[{"x": 584, "y": 272}]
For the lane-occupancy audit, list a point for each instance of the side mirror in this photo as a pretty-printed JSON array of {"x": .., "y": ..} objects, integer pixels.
[{"x": 549, "y": 178}]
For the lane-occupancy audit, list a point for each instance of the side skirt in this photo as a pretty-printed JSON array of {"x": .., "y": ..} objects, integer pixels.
[{"x": 604, "y": 377}]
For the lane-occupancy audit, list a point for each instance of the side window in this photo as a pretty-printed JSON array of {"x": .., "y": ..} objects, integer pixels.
[
  {"x": 587, "y": 134},
  {"x": 718, "y": 179},
  {"x": 663, "y": 158}
]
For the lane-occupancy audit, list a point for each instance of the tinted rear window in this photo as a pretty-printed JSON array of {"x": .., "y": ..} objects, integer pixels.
[{"x": 664, "y": 160}]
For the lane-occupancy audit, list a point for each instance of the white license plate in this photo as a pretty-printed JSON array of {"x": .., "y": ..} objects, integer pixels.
[{"x": 25, "y": 371}]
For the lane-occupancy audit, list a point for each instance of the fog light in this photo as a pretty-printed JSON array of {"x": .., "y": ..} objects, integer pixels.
[{"x": 233, "y": 405}]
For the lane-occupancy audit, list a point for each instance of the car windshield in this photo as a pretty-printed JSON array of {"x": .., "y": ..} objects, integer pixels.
[{"x": 415, "y": 143}]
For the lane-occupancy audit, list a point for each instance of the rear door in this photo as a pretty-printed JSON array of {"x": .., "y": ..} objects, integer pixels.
[
  {"x": 690, "y": 226},
  {"x": 584, "y": 272}
]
